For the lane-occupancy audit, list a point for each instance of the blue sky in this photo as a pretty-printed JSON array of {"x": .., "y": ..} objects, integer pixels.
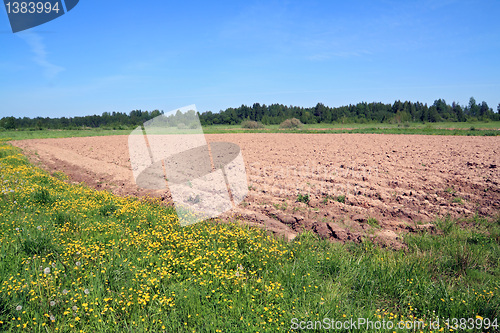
[{"x": 125, "y": 55}]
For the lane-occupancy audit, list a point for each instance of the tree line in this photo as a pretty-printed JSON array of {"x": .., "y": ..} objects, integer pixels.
[
  {"x": 398, "y": 112},
  {"x": 108, "y": 120}
]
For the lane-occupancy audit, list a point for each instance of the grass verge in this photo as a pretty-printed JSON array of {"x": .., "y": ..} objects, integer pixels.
[
  {"x": 444, "y": 128},
  {"x": 45, "y": 134},
  {"x": 75, "y": 259}
]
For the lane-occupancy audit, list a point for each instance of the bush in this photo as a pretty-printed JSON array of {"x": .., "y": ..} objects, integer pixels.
[
  {"x": 291, "y": 123},
  {"x": 251, "y": 124}
]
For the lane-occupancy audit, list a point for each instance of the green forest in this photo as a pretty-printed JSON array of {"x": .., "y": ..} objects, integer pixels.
[{"x": 398, "y": 112}]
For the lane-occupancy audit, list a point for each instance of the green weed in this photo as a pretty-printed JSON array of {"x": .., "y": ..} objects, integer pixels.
[
  {"x": 450, "y": 190},
  {"x": 107, "y": 209},
  {"x": 341, "y": 199},
  {"x": 283, "y": 206},
  {"x": 303, "y": 198},
  {"x": 42, "y": 196},
  {"x": 373, "y": 222}
]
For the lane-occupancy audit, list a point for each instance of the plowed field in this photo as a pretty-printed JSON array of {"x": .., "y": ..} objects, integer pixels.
[{"x": 350, "y": 185}]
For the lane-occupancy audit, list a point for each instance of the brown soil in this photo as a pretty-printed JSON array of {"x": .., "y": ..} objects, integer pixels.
[{"x": 391, "y": 183}]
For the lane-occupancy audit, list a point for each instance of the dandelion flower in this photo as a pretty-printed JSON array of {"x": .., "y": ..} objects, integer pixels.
[
  {"x": 52, "y": 317},
  {"x": 65, "y": 291},
  {"x": 78, "y": 263},
  {"x": 86, "y": 291},
  {"x": 39, "y": 227},
  {"x": 19, "y": 307},
  {"x": 46, "y": 270},
  {"x": 74, "y": 308},
  {"x": 52, "y": 303}
]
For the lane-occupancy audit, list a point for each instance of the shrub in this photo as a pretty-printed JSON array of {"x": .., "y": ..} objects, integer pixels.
[
  {"x": 251, "y": 124},
  {"x": 291, "y": 123}
]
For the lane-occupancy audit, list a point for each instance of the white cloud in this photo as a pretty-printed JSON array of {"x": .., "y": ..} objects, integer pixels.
[{"x": 35, "y": 41}]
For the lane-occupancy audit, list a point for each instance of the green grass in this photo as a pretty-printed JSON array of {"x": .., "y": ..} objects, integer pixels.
[
  {"x": 44, "y": 134},
  {"x": 420, "y": 125},
  {"x": 282, "y": 206},
  {"x": 438, "y": 125},
  {"x": 373, "y": 222},
  {"x": 77, "y": 259},
  {"x": 443, "y": 128},
  {"x": 427, "y": 131},
  {"x": 450, "y": 190},
  {"x": 480, "y": 129},
  {"x": 340, "y": 198}
]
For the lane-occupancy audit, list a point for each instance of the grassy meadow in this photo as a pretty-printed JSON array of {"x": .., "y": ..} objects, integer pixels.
[
  {"x": 46, "y": 134},
  {"x": 490, "y": 128},
  {"x": 78, "y": 260}
]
